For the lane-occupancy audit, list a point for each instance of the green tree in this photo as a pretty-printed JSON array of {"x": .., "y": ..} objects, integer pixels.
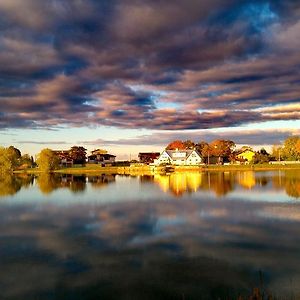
[
  {"x": 291, "y": 148},
  {"x": 47, "y": 160}
]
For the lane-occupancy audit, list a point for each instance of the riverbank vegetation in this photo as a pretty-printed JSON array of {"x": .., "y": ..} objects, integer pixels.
[
  {"x": 217, "y": 155},
  {"x": 11, "y": 159}
]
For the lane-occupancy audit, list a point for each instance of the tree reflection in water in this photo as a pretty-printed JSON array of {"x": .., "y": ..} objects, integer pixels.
[
  {"x": 222, "y": 183},
  {"x": 75, "y": 183},
  {"x": 11, "y": 184},
  {"x": 178, "y": 184},
  {"x": 289, "y": 180},
  {"x": 102, "y": 180}
]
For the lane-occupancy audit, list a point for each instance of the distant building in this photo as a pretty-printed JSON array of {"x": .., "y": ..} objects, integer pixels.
[
  {"x": 245, "y": 154},
  {"x": 104, "y": 159},
  {"x": 179, "y": 158},
  {"x": 148, "y": 157},
  {"x": 65, "y": 158},
  {"x": 98, "y": 151}
]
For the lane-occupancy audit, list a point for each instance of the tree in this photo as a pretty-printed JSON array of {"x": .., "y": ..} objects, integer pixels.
[
  {"x": 291, "y": 148},
  {"x": 277, "y": 152},
  {"x": 222, "y": 148},
  {"x": 261, "y": 157},
  {"x": 14, "y": 155},
  {"x": 176, "y": 145},
  {"x": 204, "y": 149},
  {"x": 189, "y": 144},
  {"x": 47, "y": 160},
  {"x": 200, "y": 146},
  {"x": 6, "y": 165},
  {"x": 26, "y": 161},
  {"x": 78, "y": 154}
]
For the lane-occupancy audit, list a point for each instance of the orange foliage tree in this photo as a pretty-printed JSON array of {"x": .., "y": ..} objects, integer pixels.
[
  {"x": 176, "y": 145},
  {"x": 222, "y": 148}
]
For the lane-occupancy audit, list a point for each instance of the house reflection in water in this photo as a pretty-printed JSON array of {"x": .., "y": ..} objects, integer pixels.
[
  {"x": 246, "y": 179},
  {"x": 179, "y": 183},
  {"x": 102, "y": 180},
  {"x": 221, "y": 183}
]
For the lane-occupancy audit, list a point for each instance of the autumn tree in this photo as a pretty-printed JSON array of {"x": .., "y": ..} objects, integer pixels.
[
  {"x": 204, "y": 150},
  {"x": 261, "y": 156},
  {"x": 6, "y": 165},
  {"x": 47, "y": 160},
  {"x": 222, "y": 148},
  {"x": 199, "y": 146},
  {"x": 176, "y": 145},
  {"x": 290, "y": 150},
  {"x": 14, "y": 155},
  {"x": 190, "y": 145},
  {"x": 26, "y": 161},
  {"x": 78, "y": 154}
]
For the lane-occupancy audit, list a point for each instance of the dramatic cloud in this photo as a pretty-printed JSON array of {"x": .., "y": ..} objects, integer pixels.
[
  {"x": 250, "y": 137},
  {"x": 169, "y": 65}
]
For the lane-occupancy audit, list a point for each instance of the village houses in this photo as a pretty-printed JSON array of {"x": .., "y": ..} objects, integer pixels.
[{"x": 179, "y": 158}]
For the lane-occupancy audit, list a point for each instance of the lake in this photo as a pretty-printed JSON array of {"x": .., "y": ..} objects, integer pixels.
[{"x": 213, "y": 235}]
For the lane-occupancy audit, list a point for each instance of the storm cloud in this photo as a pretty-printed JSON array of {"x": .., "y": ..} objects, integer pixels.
[{"x": 170, "y": 65}]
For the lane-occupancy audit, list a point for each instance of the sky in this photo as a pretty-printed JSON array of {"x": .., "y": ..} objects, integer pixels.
[{"x": 133, "y": 75}]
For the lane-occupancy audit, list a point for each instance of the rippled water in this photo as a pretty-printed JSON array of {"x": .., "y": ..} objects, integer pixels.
[{"x": 179, "y": 236}]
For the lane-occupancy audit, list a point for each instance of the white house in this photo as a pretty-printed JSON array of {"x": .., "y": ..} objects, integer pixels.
[{"x": 179, "y": 158}]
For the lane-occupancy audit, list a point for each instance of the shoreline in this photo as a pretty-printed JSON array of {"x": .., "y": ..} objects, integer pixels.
[{"x": 150, "y": 169}]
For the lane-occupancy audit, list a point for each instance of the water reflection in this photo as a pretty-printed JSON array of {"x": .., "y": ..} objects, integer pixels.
[
  {"x": 177, "y": 184},
  {"x": 222, "y": 183},
  {"x": 11, "y": 184},
  {"x": 199, "y": 248},
  {"x": 159, "y": 250},
  {"x": 47, "y": 183},
  {"x": 288, "y": 180}
]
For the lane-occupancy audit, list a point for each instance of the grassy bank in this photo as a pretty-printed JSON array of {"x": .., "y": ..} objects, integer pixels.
[{"x": 96, "y": 169}]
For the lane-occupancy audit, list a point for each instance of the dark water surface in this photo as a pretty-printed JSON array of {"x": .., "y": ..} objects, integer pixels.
[{"x": 182, "y": 236}]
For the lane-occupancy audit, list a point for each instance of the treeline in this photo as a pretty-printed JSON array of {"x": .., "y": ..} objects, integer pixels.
[
  {"x": 47, "y": 160},
  {"x": 225, "y": 150},
  {"x": 12, "y": 159}
]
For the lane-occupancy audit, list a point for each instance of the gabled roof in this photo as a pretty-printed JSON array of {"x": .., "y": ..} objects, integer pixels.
[
  {"x": 241, "y": 151},
  {"x": 180, "y": 154}
]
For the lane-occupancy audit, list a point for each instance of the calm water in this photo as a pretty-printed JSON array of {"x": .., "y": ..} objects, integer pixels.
[{"x": 182, "y": 236}]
